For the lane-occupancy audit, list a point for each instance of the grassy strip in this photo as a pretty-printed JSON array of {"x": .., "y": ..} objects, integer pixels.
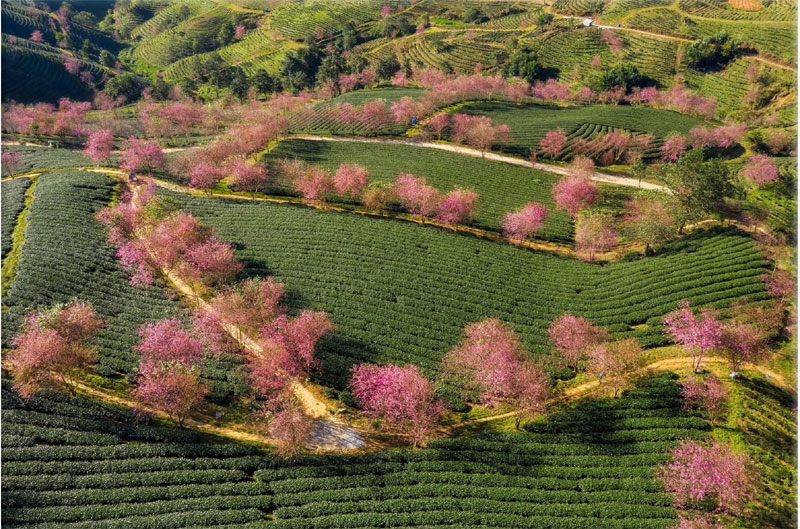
[{"x": 9, "y": 269}]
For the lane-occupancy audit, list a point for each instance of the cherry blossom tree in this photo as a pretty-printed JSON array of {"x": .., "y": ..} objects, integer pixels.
[
  {"x": 289, "y": 427},
  {"x": 167, "y": 341},
  {"x": 780, "y": 283},
  {"x": 759, "y": 170},
  {"x": 416, "y": 196},
  {"x": 700, "y": 334},
  {"x": 481, "y": 133},
  {"x": 141, "y": 155},
  {"x": 672, "y": 148},
  {"x": 314, "y": 183},
  {"x": 36, "y": 36},
  {"x": 573, "y": 335},
  {"x": 438, "y": 123},
  {"x": 298, "y": 338},
  {"x": 708, "y": 394},
  {"x": 72, "y": 64},
  {"x": 594, "y": 233},
  {"x": 743, "y": 342},
  {"x": 648, "y": 218},
  {"x": 457, "y": 207},
  {"x": 246, "y": 306},
  {"x": 703, "y": 471},
  {"x": 350, "y": 179},
  {"x": 11, "y": 162},
  {"x": 52, "y": 349},
  {"x": 248, "y": 177},
  {"x": 172, "y": 388},
  {"x": 204, "y": 176},
  {"x": 240, "y": 31},
  {"x": 212, "y": 262},
  {"x": 401, "y": 397},
  {"x": 552, "y": 143},
  {"x": 576, "y": 191},
  {"x": 99, "y": 145},
  {"x": 615, "y": 362},
  {"x": 490, "y": 365},
  {"x": 525, "y": 222}
]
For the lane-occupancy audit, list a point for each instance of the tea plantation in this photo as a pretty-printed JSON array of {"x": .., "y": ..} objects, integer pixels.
[{"x": 399, "y": 292}]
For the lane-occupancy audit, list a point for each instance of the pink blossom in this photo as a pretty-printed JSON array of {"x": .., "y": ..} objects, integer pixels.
[
  {"x": 573, "y": 335},
  {"x": 98, "y": 145},
  {"x": 574, "y": 193},
  {"x": 350, "y": 179},
  {"x": 707, "y": 470},
  {"x": 400, "y": 396},
  {"x": 36, "y": 36},
  {"x": 400, "y": 79},
  {"x": 167, "y": 341},
  {"x": 294, "y": 341},
  {"x": 780, "y": 283},
  {"x": 615, "y": 362},
  {"x": 240, "y": 31},
  {"x": 525, "y": 222},
  {"x": 700, "y": 335},
  {"x": 11, "y": 162},
  {"x": 729, "y": 135},
  {"x": 212, "y": 262},
  {"x": 673, "y": 147},
  {"x": 290, "y": 427},
  {"x": 457, "y": 206},
  {"x": 760, "y": 170},
  {"x": 594, "y": 234},
  {"x": 172, "y": 388},
  {"x": 416, "y": 196},
  {"x": 348, "y": 82},
  {"x": 248, "y": 177},
  {"x": 141, "y": 155},
  {"x": 709, "y": 394},
  {"x": 438, "y": 123},
  {"x": 551, "y": 90},
  {"x": 367, "y": 77},
  {"x": 72, "y": 64},
  {"x": 314, "y": 183}
]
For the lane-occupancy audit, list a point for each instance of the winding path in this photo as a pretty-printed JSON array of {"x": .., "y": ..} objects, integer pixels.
[{"x": 597, "y": 176}]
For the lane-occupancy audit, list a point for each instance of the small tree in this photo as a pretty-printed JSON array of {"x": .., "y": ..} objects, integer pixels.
[
  {"x": 52, "y": 348},
  {"x": 11, "y": 162},
  {"x": 416, "y": 196},
  {"x": 525, "y": 222},
  {"x": 141, "y": 154},
  {"x": 573, "y": 335},
  {"x": 173, "y": 388},
  {"x": 438, "y": 123},
  {"x": 699, "y": 334},
  {"x": 759, "y": 170},
  {"x": 648, "y": 219},
  {"x": 251, "y": 178},
  {"x": 707, "y": 472},
  {"x": 743, "y": 342},
  {"x": 594, "y": 233},
  {"x": 314, "y": 183},
  {"x": 576, "y": 191},
  {"x": 350, "y": 179},
  {"x": 457, "y": 206},
  {"x": 553, "y": 142},
  {"x": 708, "y": 394},
  {"x": 167, "y": 341},
  {"x": 400, "y": 396},
  {"x": 616, "y": 362},
  {"x": 99, "y": 145}
]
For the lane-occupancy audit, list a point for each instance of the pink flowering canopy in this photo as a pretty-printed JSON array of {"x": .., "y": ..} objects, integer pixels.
[
  {"x": 708, "y": 394},
  {"x": 525, "y": 222},
  {"x": 167, "y": 341},
  {"x": 707, "y": 471},
  {"x": 700, "y": 334},
  {"x": 416, "y": 196},
  {"x": 172, "y": 388},
  {"x": 52, "y": 347},
  {"x": 99, "y": 145},
  {"x": 457, "y": 206},
  {"x": 400, "y": 396},
  {"x": 573, "y": 335},
  {"x": 759, "y": 170}
]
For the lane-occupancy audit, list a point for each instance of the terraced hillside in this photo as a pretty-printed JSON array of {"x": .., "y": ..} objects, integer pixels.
[
  {"x": 75, "y": 462},
  {"x": 13, "y": 195},
  {"x": 398, "y": 292},
  {"x": 528, "y": 123},
  {"x": 588, "y": 466},
  {"x": 501, "y": 187}
]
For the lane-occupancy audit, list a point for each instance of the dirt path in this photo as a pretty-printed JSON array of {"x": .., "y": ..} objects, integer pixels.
[
  {"x": 660, "y": 365},
  {"x": 597, "y": 176},
  {"x": 329, "y": 433}
]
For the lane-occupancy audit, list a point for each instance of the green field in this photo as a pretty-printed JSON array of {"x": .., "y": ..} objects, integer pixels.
[
  {"x": 46, "y": 158},
  {"x": 76, "y": 462},
  {"x": 529, "y": 123},
  {"x": 501, "y": 187},
  {"x": 13, "y": 196},
  {"x": 589, "y": 466},
  {"x": 399, "y": 292}
]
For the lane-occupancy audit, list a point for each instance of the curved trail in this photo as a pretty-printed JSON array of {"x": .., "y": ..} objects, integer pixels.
[
  {"x": 330, "y": 433},
  {"x": 597, "y": 176},
  {"x": 585, "y": 388}
]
